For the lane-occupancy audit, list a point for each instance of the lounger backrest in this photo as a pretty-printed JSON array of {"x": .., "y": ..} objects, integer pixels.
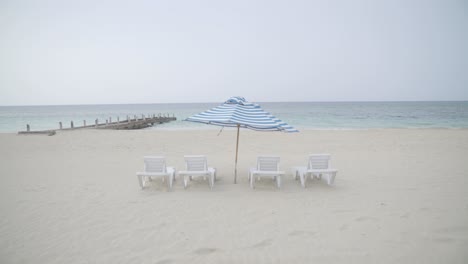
[
  {"x": 196, "y": 163},
  {"x": 318, "y": 161},
  {"x": 268, "y": 163},
  {"x": 155, "y": 164}
]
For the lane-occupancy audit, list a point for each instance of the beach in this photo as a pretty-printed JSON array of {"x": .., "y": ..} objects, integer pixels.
[{"x": 400, "y": 196}]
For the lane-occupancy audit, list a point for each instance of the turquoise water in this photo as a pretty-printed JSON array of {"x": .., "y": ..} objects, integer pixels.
[{"x": 302, "y": 115}]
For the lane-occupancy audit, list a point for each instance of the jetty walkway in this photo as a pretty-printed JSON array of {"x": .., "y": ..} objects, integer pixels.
[{"x": 127, "y": 124}]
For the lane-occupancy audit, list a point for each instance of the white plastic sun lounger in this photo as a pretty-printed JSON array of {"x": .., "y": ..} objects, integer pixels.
[
  {"x": 318, "y": 166},
  {"x": 196, "y": 166},
  {"x": 267, "y": 166},
  {"x": 155, "y": 166}
]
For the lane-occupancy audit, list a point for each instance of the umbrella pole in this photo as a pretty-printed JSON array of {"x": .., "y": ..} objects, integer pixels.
[{"x": 237, "y": 148}]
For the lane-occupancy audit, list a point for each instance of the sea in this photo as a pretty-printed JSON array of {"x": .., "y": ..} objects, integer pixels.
[{"x": 301, "y": 115}]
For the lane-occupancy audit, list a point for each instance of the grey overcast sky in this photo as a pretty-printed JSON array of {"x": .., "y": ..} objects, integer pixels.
[{"x": 101, "y": 52}]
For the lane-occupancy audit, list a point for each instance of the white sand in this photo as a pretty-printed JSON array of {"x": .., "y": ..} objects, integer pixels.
[{"x": 400, "y": 196}]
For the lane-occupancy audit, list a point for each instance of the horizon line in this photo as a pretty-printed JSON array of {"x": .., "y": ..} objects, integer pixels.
[{"x": 211, "y": 102}]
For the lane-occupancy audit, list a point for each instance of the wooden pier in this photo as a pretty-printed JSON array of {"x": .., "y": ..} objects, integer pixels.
[{"x": 137, "y": 122}]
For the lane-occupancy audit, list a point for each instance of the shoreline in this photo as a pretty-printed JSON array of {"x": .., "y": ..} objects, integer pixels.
[{"x": 211, "y": 128}]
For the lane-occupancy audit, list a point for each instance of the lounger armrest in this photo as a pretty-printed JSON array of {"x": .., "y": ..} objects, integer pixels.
[
  {"x": 259, "y": 172},
  {"x": 194, "y": 172},
  {"x": 323, "y": 171},
  {"x": 272, "y": 172},
  {"x": 182, "y": 172},
  {"x": 140, "y": 173}
]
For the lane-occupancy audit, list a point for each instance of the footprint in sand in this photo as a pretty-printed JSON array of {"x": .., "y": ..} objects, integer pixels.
[
  {"x": 263, "y": 243},
  {"x": 452, "y": 230},
  {"x": 165, "y": 261},
  {"x": 344, "y": 227},
  {"x": 405, "y": 215},
  {"x": 300, "y": 233},
  {"x": 35, "y": 188},
  {"x": 445, "y": 240},
  {"x": 366, "y": 218},
  {"x": 205, "y": 251},
  {"x": 342, "y": 211}
]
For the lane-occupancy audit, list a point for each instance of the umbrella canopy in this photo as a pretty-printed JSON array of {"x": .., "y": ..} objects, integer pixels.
[{"x": 237, "y": 112}]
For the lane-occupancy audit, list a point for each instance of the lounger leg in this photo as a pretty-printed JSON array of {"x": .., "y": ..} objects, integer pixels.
[
  {"x": 211, "y": 179},
  {"x": 278, "y": 181},
  {"x": 302, "y": 177},
  {"x": 171, "y": 179},
  {"x": 252, "y": 177},
  {"x": 140, "y": 181},
  {"x": 186, "y": 178},
  {"x": 331, "y": 178}
]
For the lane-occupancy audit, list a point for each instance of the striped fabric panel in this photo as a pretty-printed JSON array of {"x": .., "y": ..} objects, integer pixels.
[{"x": 237, "y": 111}]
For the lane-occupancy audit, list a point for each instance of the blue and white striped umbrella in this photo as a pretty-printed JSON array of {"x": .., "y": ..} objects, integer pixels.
[{"x": 237, "y": 112}]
